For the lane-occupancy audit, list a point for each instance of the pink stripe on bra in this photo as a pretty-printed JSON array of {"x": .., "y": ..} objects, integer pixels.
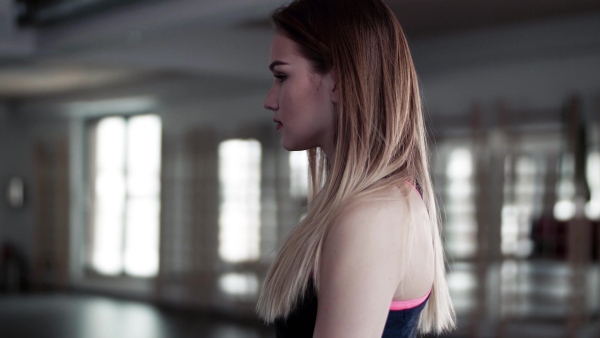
[
  {"x": 408, "y": 304},
  {"x": 412, "y": 185}
]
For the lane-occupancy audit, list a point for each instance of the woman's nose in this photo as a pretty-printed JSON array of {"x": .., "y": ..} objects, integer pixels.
[{"x": 271, "y": 100}]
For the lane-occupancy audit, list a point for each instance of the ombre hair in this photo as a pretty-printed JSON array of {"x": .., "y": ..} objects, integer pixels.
[{"x": 379, "y": 136}]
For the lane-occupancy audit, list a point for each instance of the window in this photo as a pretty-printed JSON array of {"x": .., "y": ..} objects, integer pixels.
[
  {"x": 242, "y": 285},
  {"x": 592, "y": 207},
  {"x": 564, "y": 209},
  {"x": 460, "y": 207},
  {"x": 125, "y": 193},
  {"x": 454, "y": 177},
  {"x": 298, "y": 162},
  {"x": 239, "y": 215},
  {"x": 523, "y": 194}
]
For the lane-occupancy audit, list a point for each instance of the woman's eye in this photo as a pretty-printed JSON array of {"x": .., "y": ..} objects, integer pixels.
[{"x": 280, "y": 77}]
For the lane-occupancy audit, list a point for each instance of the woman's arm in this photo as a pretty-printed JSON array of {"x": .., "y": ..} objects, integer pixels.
[{"x": 360, "y": 270}]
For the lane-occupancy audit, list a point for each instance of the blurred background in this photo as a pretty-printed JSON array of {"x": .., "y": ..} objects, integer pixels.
[{"x": 144, "y": 190}]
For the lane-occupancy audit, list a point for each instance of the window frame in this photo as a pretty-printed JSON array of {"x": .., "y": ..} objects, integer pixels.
[{"x": 88, "y": 168}]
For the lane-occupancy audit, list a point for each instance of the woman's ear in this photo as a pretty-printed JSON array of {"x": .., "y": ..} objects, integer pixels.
[
  {"x": 334, "y": 93},
  {"x": 335, "y": 96}
]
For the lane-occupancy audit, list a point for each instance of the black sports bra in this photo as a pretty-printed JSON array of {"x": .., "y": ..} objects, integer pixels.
[{"x": 300, "y": 323}]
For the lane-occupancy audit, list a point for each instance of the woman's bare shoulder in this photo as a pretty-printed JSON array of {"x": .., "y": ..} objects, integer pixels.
[
  {"x": 383, "y": 218},
  {"x": 380, "y": 215},
  {"x": 389, "y": 201}
]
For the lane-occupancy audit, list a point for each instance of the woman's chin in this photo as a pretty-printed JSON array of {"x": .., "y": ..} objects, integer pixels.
[{"x": 290, "y": 146}]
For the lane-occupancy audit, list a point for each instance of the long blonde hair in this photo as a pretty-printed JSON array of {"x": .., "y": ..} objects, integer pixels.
[{"x": 380, "y": 140}]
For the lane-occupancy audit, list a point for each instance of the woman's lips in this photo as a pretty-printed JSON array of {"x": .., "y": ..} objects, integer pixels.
[{"x": 279, "y": 125}]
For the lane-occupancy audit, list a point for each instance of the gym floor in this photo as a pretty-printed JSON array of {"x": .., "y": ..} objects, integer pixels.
[{"x": 91, "y": 316}]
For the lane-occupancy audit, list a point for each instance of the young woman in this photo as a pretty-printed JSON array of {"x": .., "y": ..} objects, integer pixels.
[{"x": 367, "y": 260}]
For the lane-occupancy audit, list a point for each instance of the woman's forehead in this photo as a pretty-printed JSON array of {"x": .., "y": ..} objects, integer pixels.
[{"x": 284, "y": 49}]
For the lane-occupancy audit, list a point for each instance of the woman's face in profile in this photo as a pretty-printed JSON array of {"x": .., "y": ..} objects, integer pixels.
[{"x": 302, "y": 100}]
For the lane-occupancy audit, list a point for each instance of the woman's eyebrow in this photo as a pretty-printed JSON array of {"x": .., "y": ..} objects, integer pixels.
[{"x": 276, "y": 63}]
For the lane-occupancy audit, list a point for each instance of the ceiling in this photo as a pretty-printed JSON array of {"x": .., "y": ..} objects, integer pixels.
[
  {"x": 420, "y": 17},
  {"x": 433, "y": 17},
  {"x": 110, "y": 41}
]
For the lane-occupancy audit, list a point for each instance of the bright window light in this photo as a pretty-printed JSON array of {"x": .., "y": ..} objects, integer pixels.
[
  {"x": 593, "y": 169},
  {"x": 239, "y": 284},
  {"x": 110, "y": 196},
  {"x": 298, "y": 161},
  {"x": 521, "y": 200},
  {"x": 127, "y": 196},
  {"x": 143, "y": 182},
  {"x": 564, "y": 209},
  {"x": 592, "y": 210},
  {"x": 461, "y": 280},
  {"x": 460, "y": 217},
  {"x": 460, "y": 164},
  {"x": 239, "y": 219},
  {"x": 592, "y": 207}
]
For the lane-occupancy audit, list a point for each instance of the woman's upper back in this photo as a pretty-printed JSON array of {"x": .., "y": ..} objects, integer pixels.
[
  {"x": 419, "y": 268},
  {"x": 378, "y": 250}
]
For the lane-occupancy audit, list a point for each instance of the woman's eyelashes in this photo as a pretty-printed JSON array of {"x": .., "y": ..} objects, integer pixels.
[{"x": 280, "y": 77}]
